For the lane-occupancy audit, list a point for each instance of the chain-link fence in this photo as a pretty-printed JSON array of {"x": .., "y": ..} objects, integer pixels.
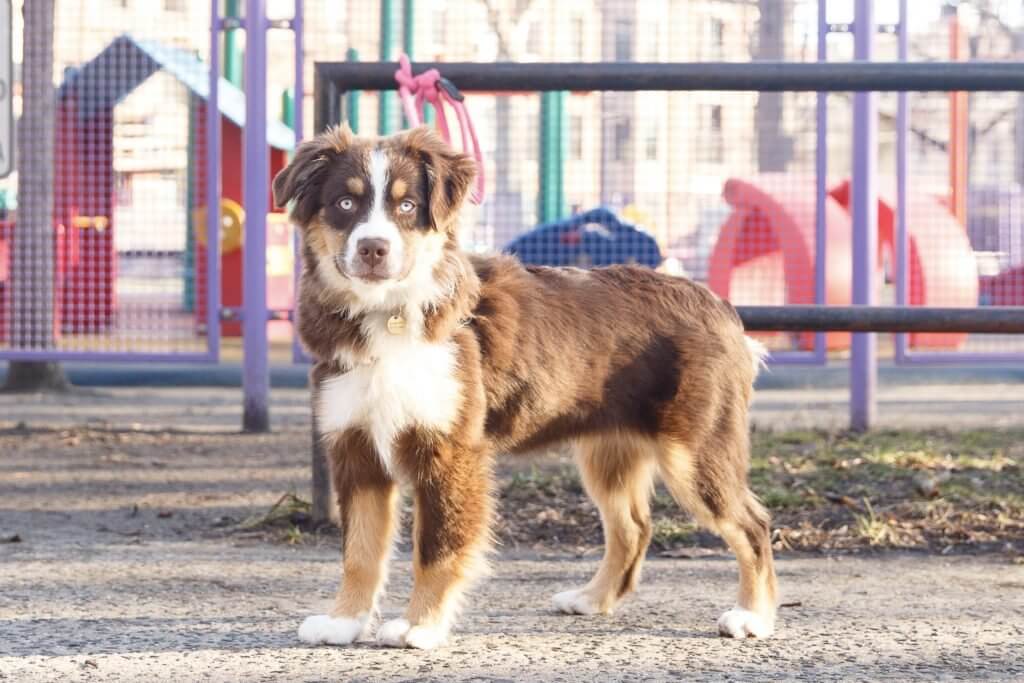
[{"x": 724, "y": 182}]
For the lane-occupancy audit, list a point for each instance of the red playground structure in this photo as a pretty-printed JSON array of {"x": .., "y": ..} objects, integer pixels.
[
  {"x": 765, "y": 251},
  {"x": 85, "y": 185}
]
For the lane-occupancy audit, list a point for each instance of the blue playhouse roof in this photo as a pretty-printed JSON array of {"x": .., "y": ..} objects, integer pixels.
[{"x": 126, "y": 62}]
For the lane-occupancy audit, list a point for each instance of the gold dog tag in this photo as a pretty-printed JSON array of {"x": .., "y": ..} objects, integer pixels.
[{"x": 396, "y": 324}]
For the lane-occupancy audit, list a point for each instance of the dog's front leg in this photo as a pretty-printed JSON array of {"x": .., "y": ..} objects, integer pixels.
[
  {"x": 453, "y": 506},
  {"x": 367, "y": 499}
]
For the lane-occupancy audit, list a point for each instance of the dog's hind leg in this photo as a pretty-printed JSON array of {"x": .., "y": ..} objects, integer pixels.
[
  {"x": 711, "y": 483},
  {"x": 617, "y": 472}
]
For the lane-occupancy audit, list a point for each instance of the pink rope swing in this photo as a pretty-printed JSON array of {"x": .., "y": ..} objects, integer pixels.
[{"x": 430, "y": 87}]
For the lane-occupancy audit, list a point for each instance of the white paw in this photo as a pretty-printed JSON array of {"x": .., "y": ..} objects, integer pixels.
[
  {"x": 322, "y": 629},
  {"x": 392, "y": 633},
  {"x": 426, "y": 637},
  {"x": 742, "y": 623},
  {"x": 575, "y": 602},
  {"x": 399, "y": 633}
]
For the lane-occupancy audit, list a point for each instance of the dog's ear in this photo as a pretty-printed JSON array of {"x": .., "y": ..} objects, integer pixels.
[
  {"x": 449, "y": 174},
  {"x": 302, "y": 179}
]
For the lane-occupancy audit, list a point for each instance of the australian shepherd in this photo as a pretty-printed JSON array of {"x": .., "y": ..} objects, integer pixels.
[{"x": 430, "y": 361}]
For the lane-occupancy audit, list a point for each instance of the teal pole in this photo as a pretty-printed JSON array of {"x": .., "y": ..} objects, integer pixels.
[
  {"x": 409, "y": 28},
  {"x": 232, "y": 49},
  {"x": 554, "y": 143},
  {"x": 546, "y": 178},
  {"x": 542, "y": 160},
  {"x": 409, "y": 47},
  {"x": 189, "y": 275},
  {"x": 352, "y": 97},
  {"x": 561, "y": 151},
  {"x": 386, "y": 109},
  {"x": 288, "y": 107}
]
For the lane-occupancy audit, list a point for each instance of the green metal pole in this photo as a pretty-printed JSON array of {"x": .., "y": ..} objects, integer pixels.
[
  {"x": 189, "y": 275},
  {"x": 547, "y": 159},
  {"x": 352, "y": 97},
  {"x": 561, "y": 151},
  {"x": 288, "y": 107},
  {"x": 409, "y": 46},
  {"x": 409, "y": 27},
  {"x": 386, "y": 110},
  {"x": 233, "y": 58}
]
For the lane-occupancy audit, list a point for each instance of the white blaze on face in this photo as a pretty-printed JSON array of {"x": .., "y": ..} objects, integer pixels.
[{"x": 378, "y": 223}]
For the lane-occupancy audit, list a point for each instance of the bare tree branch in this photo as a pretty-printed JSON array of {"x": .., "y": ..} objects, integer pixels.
[{"x": 503, "y": 26}]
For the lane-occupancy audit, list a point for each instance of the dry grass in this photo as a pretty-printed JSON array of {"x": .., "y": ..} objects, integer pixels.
[{"x": 937, "y": 491}]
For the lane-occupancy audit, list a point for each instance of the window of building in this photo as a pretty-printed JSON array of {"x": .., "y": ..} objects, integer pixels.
[
  {"x": 711, "y": 138},
  {"x": 532, "y": 148},
  {"x": 623, "y": 40},
  {"x": 533, "y": 37},
  {"x": 576, "y": 137},
  {"x": 651, "y": 140},
  {"x": 650, "y": 43},
  {"x": 437, "y": 29},
  {"x": 621, "y": 141},
  {"x": 715, "y": 38},
  {"x": 577, "y": 38}
]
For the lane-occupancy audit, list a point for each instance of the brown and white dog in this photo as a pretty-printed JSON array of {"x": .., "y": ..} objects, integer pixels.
[{"x": 429, "y": 361}]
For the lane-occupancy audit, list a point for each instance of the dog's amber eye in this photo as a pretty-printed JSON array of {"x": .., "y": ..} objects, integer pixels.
[
  {"x": 407, "y": 206},
  {"x": 346, "y": 204}
]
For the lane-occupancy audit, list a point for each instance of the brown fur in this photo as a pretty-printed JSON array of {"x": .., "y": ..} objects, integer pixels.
[{"x": 648, "y": 372}]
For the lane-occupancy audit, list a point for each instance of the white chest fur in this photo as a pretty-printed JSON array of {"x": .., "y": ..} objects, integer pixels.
[{"x": 410, "y": 383}]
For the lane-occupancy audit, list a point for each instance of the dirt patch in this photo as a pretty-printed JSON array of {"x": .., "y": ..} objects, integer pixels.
[{"x": 936, "y": 491}]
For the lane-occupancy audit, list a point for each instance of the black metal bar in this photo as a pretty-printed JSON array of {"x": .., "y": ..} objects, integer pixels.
[
  {"x": 796, "y": 318},
  {"x": 712, "y": 76},
  {"x": 326, "y": 102}
]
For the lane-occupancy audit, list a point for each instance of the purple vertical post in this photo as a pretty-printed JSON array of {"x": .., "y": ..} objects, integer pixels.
[
  {"x": 821, "y": 179},
  {"x": 902, "y": 255},
  {"x": 298, "y": 27},
  {"x": 298, "y": 23},
  {"x": 863, "y": 357},
  {"x": 255, "y": 369},
  {"x": 213, "y": 188}
]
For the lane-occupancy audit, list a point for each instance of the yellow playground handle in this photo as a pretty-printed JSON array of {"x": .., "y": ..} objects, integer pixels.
[{"x": 232, "y": 216}]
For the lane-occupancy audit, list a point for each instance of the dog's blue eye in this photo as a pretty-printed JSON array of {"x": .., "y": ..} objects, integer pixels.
[
  {"x": 407, "y": 206},
  {"x": 346, "y": 204}
]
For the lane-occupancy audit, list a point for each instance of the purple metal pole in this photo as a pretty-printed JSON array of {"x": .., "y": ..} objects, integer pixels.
[
  {"x": 863, "y": 357},
  {"x": 821, "y": 179},
  {"x": 902, "y": 255},
  {"x": 213, "y": 189},
  {"x": 298, "y": 24},
  {"x": 256, "y": 370}
]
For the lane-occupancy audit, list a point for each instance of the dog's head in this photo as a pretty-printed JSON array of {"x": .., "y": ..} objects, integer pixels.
[{"x": 375, "y": 211}]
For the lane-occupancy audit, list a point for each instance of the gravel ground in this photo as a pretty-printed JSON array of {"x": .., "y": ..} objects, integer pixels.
[
  {"x": 124, "y": 570},
  {"x": 224, "y": 611}
]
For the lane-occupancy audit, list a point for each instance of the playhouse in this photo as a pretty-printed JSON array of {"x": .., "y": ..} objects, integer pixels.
[
  {"x": 765, "y": 253},
  {"x": 86, "y": 257}
]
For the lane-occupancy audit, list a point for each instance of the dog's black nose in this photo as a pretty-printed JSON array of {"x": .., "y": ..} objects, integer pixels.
[{"x": 373, "y": 251}]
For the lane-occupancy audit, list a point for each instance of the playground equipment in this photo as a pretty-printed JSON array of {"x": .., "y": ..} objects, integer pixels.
[
  {"x": 84, "y": 196},
  {"x": 765, "y": 251},
  {"x": 592, "y": 238}
]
